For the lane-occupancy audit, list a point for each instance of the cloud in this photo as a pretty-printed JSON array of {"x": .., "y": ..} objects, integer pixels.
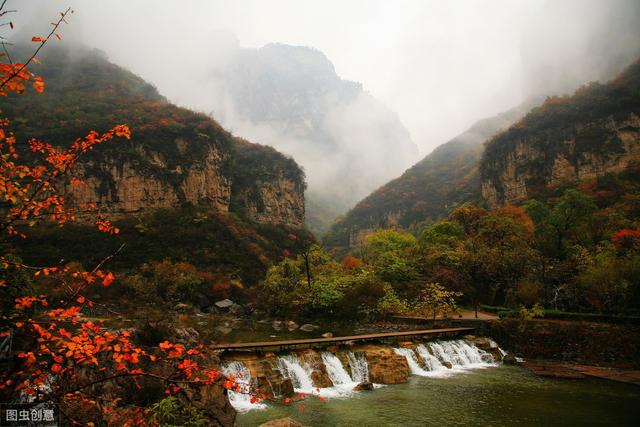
[{"x": 439, "y": 65}]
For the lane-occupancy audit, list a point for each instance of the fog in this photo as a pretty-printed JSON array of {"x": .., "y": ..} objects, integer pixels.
[
  {"x": 371, "y": 87},
  {"x": 439, "y": 65}
]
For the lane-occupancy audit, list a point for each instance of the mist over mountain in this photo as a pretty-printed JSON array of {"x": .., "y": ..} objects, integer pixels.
[
  {"x": 430, "y": 189},
  {"x": 291, "y": 98}
]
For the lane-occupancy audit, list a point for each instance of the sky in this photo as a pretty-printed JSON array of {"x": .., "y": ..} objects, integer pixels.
[{"x": 440, "y": 65}]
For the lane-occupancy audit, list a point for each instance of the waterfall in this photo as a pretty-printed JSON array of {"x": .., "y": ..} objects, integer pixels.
[
  {"x": 359, "y": 367},
  {"x": 460, "y": 354},
  {"x": 291, "y": 368},
  {"x": 336, "y": 371},
  {"x": 241, "y": 401},
  {"x": 430, "y": 361},
  {"x": 414, "y": 366}
]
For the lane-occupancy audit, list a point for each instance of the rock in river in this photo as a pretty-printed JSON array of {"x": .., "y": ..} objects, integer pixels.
[{"x": 225, "y": 303}]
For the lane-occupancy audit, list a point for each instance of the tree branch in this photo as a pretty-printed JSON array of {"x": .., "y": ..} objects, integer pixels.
[{"x": 19, "y": 70}]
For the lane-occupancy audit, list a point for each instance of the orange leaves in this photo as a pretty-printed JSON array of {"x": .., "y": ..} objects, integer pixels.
[
  {"x": 38, "y": 39},
  {"x": 38, "y": 84},
  {"x": 29, "y": 358},
  {"x": 172, "y": 350},
  {"x": 31, "y": 190},
  {"x": 105, "y": 226},
  {"x": 188, "y": 367},
  {"x": 26, "y": 302},
  {"x": 108, "y": 279}
]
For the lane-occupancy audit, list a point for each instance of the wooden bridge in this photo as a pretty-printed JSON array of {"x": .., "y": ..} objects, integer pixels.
[{"x": 282, "y": 345}]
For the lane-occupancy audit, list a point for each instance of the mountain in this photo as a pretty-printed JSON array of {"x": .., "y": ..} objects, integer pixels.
[
  {"x": 568, "y": 139},
  {"x": 181, "y": 173},
  {"x": 291, "y": 98},
  {"x": 428, "y": 190}
]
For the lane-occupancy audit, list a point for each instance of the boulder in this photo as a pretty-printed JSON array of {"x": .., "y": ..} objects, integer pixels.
[
  {"x": 308, "y": 327},
  {"x": 405, "y": 344},
  {"x": 225, "y": 303},
  {"x": 385, "y": 366},
  {"x": 509, "y": 359},
  {"x": 327, "y": 335},
  {"x": 291, "y": 325},
  {"x": 281, "y": 422},
  {"x": 277, "y": 325},
  {"x": 363, "y": 386},
  {"x": 321, "y": 379},
  {"x": 447, "y": 365},
  {"x": 202, "y": 301},
  {"x": 213, "y": 401}
]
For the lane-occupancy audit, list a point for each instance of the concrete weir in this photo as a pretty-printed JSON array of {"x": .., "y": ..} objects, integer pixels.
[{"x": 345, "y": 368}]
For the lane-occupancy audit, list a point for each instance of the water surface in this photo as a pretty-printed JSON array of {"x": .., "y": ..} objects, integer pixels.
[{"x": 500, "y": 396}]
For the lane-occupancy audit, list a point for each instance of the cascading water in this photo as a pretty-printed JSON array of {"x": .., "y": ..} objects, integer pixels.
[
  {"x": 241, "y": 401},
  {"x": 335, "y": 370},
  {"x": 430, "y": 361},
  {"x": 359, "y": 367},
  {"x": 440, "y": 359},
  {"x": 291, "y": 368},
  {"x": 439, "y": 356},
  {"x": 414, "y": 366}
]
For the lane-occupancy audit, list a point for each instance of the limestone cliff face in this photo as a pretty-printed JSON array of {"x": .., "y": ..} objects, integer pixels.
[
  {"x": 150, "y": 180},
  {"x": 280, "y": 201},
  {"x": 176, "y": 157},
  {"x": 568, "y": 139},
  {"x": 123, "y": 188},
  {"x": 588, "y": 150}
]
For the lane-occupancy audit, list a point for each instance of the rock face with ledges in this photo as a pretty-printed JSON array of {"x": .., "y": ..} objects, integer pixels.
[
  {"x": 175, "y": 158},
  {"x": 568, "y": 139}
]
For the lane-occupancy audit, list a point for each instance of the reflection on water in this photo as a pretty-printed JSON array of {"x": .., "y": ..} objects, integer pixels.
[{"x": 502, "y": 396}]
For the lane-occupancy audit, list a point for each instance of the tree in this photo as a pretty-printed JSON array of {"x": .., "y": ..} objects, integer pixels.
[
  {"x": 65, "y": 358},
  {"x": 435, "y": 298},
  {"x": 496, "y": 258}
]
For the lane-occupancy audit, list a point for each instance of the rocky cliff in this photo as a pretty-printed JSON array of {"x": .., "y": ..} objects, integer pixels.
[
  {"x": 176, "y": 157},
  {"x": 568, "y": 139}
]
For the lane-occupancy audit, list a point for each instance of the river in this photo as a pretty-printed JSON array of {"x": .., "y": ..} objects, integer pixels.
[{"x": 496, "y": 396}]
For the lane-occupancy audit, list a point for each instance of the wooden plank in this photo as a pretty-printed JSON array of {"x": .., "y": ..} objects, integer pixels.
[{"x": 287, "y": 343}]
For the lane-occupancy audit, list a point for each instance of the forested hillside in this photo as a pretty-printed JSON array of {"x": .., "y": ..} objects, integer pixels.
[
  {"x": 181, "y": 174},
  {"x": 568, "y": 139}
]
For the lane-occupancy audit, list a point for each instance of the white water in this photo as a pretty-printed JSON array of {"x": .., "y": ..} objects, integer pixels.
[
  {"x": 291, "y": 368},
  {"x": 414, "y": 366},
  {"x": 431, "y": 362},
  {"x": 335, "y": 370},
  {"x": 241, "y": 401},
  {"x": 436, "y": 355},
  {"x": 359, "y": 367}
]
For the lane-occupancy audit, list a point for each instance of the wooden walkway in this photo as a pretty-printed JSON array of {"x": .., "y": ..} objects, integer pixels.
[{"x": 334, "y": 340}]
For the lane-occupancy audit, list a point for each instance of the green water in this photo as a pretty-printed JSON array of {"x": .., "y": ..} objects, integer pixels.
[{"x": 502, "y": 396}]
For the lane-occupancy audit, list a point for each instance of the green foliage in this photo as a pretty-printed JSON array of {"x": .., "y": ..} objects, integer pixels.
[
  {"x": 169, "y": 412},
  {"x": 221, "y": 244},
  {"x": 14, "y": 283},
  {"x": 531, "y": 313},
  {"x": 435, "y": 298}
]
